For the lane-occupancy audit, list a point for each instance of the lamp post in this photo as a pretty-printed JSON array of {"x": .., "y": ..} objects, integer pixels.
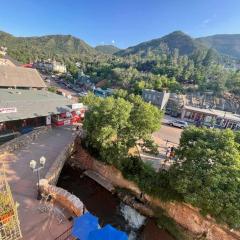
[{"x": 35, "y": 168}]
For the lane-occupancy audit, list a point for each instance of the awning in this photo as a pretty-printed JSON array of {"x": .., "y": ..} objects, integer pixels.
[
  {"x": 83, "y": 225},
  {"x": 107, "y": 233}
]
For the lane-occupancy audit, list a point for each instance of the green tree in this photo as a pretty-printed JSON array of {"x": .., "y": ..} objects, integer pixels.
[
  {"x": 208, "y": 176},
  {"x": 73, "y": 69},
  {"x": 115, "y": 125}
]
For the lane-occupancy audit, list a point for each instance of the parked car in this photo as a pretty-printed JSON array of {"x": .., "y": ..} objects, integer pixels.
[
  {"x": 82, "y": 94},
  {"x": 178, "y": 123}
]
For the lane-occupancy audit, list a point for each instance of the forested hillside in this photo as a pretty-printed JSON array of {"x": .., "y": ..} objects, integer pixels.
[
  {"x": 107, "y": 49},
  {"x": 61, "y": 47},
  {"x": 228, "y": 44},
  {"x": 176, "y": 62},
  {"x": 176, "y": 40}
]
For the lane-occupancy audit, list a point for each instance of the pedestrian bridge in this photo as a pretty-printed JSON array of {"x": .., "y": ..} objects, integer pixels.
[{"x": 23, "y": 182}]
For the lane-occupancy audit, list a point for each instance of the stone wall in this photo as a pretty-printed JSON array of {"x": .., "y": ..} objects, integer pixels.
[
  {"x": 62, "y": 196},
  {"x": 53, "y": 173},
  {"x": 23, "y": 140},
  {"x": 184, "y": 214}
]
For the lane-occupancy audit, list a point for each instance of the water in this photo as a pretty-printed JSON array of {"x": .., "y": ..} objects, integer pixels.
[
  {"x": 109, "y": 209},
  {"x": 133, "y": 218}
]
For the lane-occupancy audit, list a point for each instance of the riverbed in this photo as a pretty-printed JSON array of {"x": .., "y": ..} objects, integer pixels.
[{"x": 108, "y": 208}]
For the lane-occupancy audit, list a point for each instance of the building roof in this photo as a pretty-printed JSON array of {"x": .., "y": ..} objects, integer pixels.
[
  {"x": 31, "y": 104},
  {"x": 214, "y": 112},
  {"x": 11, "y": 76},
  {"x": 4, "y": 61}
]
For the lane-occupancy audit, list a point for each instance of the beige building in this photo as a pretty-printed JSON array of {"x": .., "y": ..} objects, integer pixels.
[
  {"x": 58, "y": 67},
  {"x": 3, "y": 51},
  {"x": 50, "y": 66}
]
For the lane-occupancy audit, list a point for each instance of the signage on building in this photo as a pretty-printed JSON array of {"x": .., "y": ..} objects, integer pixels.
[
  {"x": 8, "y": 110},
  {"x": 77, "y": 105},
  {"x": 67, "y": 122},
  {"x": 48, "y": 120}
]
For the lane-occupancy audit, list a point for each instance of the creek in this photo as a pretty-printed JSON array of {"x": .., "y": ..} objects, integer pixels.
[{"x": 109, "y": 208}]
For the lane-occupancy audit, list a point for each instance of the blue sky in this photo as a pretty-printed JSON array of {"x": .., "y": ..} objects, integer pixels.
[{"x": 123, "y": 22}]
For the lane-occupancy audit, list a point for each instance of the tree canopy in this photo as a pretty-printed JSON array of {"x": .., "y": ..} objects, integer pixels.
[
  {"x": 206, "y": 175},
  {"x": 209, "y": 175},
  {"x": 115, "y": 125}
]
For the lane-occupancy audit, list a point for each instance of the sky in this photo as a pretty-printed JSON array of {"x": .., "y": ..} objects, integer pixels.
[{"x": 123, "y": 23}]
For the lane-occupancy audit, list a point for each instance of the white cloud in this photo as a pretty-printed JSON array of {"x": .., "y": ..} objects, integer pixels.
[
  {"x": 206, "y": 21},
  {"x": 113, "y": 41}
]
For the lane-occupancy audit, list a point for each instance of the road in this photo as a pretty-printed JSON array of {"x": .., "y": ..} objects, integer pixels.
[
  {"x": 61, "y": 87},
  {"x": 160, "y": 137},
  {"x": 169, "y": 133}
]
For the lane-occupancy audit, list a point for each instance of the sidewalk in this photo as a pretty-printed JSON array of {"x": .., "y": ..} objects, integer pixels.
[{"x": 35, "y": 225}]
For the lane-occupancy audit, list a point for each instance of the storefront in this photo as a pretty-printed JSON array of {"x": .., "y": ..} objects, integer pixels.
[
  {"x": 75, "y": 115},
  {"x": 211, "y": 117},
  {"x": 23, "y": 110}
]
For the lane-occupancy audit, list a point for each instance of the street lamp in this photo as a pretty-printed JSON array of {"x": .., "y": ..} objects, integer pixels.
[{"x": 35, "y": 168}]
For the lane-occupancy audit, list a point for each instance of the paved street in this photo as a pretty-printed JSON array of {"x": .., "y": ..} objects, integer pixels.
[
  {"x": 35, "y": 225},
  {"x": 172, "y": 134},
  {"x": 160, "y": 137}
]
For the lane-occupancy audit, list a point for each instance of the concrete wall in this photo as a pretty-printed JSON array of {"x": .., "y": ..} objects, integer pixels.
[
  {"x": 22, "y": 140},
  {"x": 184, "y": 214}
]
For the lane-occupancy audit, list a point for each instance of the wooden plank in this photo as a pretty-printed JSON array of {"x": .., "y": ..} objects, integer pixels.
[{"x": 100, "y": 180}]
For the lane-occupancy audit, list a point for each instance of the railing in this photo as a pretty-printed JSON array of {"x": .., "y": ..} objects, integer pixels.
[{"x": 67, "y": 235}]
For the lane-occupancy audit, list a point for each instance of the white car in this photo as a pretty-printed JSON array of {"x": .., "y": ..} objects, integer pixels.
[
  {"x": 82, "y": 94},
  {"x": 178, "y": 123}
]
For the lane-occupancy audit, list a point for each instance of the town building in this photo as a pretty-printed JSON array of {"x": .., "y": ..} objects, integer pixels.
[
  {"x": 5, "y": 61},
  {"x": 99, "y": 92},
  {"x": 50, "y": 66},
  {"x": 211, "y": 117},
  {"x": 83, "y": 80},
  {"x": 159, "y": 99},
  {"x": 3, "y": 51},
  {"x": 25, "y": 103},
  {"x": 19, "y": 77}
]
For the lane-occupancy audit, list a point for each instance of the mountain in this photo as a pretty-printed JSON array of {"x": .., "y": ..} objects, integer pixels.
[
  {"x": 25, "y": 49},
  {"x": 228, "y": 44},
  {"x": 183, "y": 42},
  {"x": 107, "y": 49},
  {"x": 67, "y": 47}
]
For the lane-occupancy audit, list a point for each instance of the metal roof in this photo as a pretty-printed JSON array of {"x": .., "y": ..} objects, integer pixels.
[
  {"x": 31, "y": 104},
  {"x": 11, "y": 76}
]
